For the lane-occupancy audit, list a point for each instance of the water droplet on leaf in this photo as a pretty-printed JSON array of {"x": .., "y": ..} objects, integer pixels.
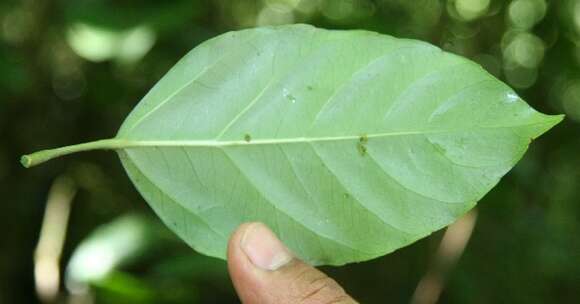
[
  {"x": 289, "y": 96},
  {"x": 512, "y": 97}
]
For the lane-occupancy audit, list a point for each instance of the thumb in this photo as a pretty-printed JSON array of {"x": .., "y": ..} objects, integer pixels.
[{"x": 264, "y": 271}]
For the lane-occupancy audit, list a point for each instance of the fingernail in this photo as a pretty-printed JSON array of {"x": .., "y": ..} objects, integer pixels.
[{"x": 263, "y": 248}]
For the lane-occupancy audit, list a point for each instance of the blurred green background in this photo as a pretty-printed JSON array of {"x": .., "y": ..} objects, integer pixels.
[{"x": 76, "y": 231}]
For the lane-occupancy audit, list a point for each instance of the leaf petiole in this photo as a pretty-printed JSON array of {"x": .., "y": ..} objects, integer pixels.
[{"x": 40, "y": 157}]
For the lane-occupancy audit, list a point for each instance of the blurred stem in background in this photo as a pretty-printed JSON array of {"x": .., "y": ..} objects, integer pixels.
[
  {"x": 450, "y": 250},
  {"x": 52, "y": 237}
]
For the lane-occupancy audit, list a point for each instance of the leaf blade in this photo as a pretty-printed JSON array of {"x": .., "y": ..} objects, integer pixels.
[{"x": 349, "y": 144}]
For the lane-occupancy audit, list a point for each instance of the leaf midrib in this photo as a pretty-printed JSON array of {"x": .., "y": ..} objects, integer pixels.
[
  {"x": 124, "y": 143},
  {"x": 132, "y": 143}
]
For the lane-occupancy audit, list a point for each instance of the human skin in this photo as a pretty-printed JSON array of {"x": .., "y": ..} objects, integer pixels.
[{"x": 264, "y": 271}]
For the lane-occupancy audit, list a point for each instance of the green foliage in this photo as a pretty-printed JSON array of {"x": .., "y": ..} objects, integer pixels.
[
  {"x": 360, "y": 143},
  {"x": 105, "y": 258}
]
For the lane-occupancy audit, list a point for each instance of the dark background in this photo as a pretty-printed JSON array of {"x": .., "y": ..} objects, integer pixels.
[{"x": 70, "y": 71}]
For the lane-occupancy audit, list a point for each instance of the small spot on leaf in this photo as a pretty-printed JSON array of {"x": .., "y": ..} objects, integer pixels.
[
  {"x": 363, "y": 139},
  {"x": 247, "y": 138},
  {"x": 361, "y": 145},
  {"x": 289, "y": 96}
]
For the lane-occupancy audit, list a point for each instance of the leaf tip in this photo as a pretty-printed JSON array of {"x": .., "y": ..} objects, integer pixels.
[
  {"x": 549, "y": 122},
  {"x": 558, "y": 118}
]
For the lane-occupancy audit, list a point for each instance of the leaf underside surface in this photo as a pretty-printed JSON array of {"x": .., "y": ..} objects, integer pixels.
[{"x": 348, "y": 144}]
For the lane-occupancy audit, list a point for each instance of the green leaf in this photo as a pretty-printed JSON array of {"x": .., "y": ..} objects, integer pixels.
[{"x": 349, "y": 144}]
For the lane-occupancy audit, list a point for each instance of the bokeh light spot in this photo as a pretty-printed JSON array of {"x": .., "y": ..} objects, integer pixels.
[
  {"x": 135, "y": 44},
  {"x": 308, "y": 6},
  {"x": 16, "y": 26},
  {"x": 105, "y": 249},
  {"x": 276, "y": 13},
  {"x": 576, "y": 15},
  {"x": 523, "y": 49},
  {"x": 91, "y": 43},
  {"x": 524, "y": 14},
  {"x": 100, "y": 44},
  {"x": 291, "y": 4},
  {"x": 347, "y": 10},
  {"x": 471, "y": 9},
  {"x": 571, "y": 99}
]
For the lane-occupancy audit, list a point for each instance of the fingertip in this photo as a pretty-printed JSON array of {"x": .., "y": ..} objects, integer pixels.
[
  {"x": 236, "y": 237},
  {"x": 241, "y": 269},
  {"x": 235, "y": 256}
]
